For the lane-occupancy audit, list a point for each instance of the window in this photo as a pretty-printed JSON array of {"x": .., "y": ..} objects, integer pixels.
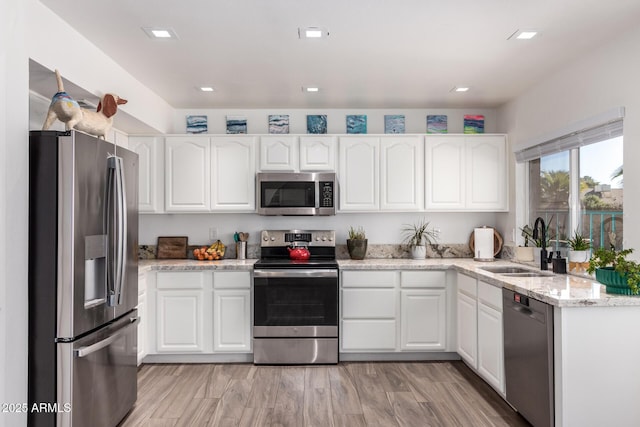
[{"x": 576, "y": 184}]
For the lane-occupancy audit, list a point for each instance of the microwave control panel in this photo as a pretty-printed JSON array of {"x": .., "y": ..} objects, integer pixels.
[{"x": 326, "y": 194}]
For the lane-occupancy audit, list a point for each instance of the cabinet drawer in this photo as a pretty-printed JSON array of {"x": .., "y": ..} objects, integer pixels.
[
  {"x": 369, "y": 279},
  {"x": 368, "y": 335},
  {"x": 490, "y": 295},
  {"x": 181, "y": 280},
  {"x": 231, "y": 279},
  {"x": 467, "y": 285},
  {"x": 368, "y": 303},
  {"x": 422, "y": 279}
]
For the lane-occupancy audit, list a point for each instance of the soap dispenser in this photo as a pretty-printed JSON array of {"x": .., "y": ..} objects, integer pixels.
[{"x": 559, "y": 264}]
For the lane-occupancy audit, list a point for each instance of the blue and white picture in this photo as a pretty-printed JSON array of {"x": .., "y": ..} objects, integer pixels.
[
  {"x": 437, "y": 124},
  {"x": 356, "y": 124},
  {"x": 279, "y": 123},
  {"x": 196, "y": 124},
  {"x": 236, "y": 124},
  {"x": 394, "y": 124},
  {"x": 317, "y": 123},
  {"x": 473, "y": 123}
]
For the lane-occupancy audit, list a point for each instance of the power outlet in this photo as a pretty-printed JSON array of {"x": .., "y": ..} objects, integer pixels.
[{"x": 213, "y": 234}]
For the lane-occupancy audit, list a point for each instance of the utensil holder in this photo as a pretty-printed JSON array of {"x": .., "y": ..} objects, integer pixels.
[{"x": 241, "y": 250}]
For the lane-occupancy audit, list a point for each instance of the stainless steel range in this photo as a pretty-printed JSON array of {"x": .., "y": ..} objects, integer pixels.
[{"x": 296, "y": 300}]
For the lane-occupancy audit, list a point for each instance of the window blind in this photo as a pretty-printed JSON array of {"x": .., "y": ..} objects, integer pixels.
[{"x": 575, "y": 139}]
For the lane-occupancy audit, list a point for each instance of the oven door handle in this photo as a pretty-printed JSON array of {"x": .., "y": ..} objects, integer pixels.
[{"x": 294, "y": 273}]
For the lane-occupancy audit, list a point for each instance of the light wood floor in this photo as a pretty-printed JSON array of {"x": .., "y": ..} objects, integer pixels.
[{"x": 349, "y": 394}]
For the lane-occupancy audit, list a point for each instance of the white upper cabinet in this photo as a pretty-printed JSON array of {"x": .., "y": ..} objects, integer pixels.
[
  {"x": 466, "y": 173},
  {"x": 150, "y": 152},
  {"x": 187, "y": 174},
  {"x": 233, "y": 163},
  {"x": 278, "y": 153},
  {"x": 359, "y": 173},
  {"x": 318, "y": 153},
  {"x": 402, "y": 173}
]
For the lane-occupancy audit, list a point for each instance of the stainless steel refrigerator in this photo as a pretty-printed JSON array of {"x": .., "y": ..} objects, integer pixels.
[{"x": 83, "y": 280}]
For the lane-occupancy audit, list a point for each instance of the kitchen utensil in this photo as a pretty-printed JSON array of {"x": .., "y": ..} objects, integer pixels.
[{"x": 299, "y": 253}]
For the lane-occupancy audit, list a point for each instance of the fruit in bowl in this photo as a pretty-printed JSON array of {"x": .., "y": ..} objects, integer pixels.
[{"x": 211, "y": 253}]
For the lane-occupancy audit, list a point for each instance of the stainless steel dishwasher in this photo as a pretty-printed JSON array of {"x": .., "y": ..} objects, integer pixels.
[{"x": 528, "y": 357}]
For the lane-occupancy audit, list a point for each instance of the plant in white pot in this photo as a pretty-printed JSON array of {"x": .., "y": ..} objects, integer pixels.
[
  {"x": 417, "y": 236},
  {"x": 579, "y": 252},
  {"x": 525, "y": 253}
]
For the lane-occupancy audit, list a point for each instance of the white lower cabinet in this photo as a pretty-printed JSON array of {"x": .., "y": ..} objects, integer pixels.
[
  {"x": 142, "y": 317},
  {"x": 393, "y": 311},
  {"x": 201, "y": 312},
  {"x": 480, "y": 329}
]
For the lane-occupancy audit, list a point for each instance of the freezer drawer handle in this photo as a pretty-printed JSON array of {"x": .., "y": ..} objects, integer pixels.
[{"x": 87, "y": 350}]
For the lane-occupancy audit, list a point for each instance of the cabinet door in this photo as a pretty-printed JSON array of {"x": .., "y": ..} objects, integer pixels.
[
  {"x": 423, "y": 319},
  {"x": 468, "y": 329},
  {"x": 232, "y": 320},
  {"x": 180, "y": 321},
  {"x": 490, "y": 346},
  {"x": 359, "y": 173},
  {"x": 486, "y": 173},
  {"x": 445, "y": 169},
  {"x": 402, "y": 173},
  {"x": 233, "y": 181},
  {"x": 368, "y": 334},
  {"x": 279, "y": 153},
  {"x": 187, "y": 179},
  {"x": 150, "y": 173},
  {"x": 317, "y": 153}
]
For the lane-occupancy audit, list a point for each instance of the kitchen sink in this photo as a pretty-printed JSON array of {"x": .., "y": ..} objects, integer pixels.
[
  {"x": 516, "y": 271},
  {"x": 507, "y": 270}
]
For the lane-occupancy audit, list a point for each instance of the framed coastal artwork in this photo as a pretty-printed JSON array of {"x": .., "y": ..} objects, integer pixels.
[
  {"x": 473, "y": 124},
  {"x": 279, "y": 123},
  {"x": 394, "y": 124},
  {"x": 236, "y": 124},
  {"x": 196, "y": 124},
  {"x": 437, "y": 124},
  {"x": 356, "y": 124},
  {"x": 317, "y": 123}
]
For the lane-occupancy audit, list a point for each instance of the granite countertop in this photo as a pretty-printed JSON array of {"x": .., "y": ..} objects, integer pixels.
[{"x": 561, "y": 290}]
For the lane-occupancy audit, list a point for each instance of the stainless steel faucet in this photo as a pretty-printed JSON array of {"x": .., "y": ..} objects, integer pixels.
[{"x": 543, "y": 251}]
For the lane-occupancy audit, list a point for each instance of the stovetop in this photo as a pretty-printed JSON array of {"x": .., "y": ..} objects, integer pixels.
[
  {"x": 274, "y": 252},
  {"x": 273, "y": 263}
]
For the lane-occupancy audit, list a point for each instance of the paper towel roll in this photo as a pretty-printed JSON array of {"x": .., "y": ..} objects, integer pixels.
[{"x": 483, "y": 241}]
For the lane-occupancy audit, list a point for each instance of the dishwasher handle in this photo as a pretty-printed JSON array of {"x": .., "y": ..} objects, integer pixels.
[{"x": 527, "y": 311}]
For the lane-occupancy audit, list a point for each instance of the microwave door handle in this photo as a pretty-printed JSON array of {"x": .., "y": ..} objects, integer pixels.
[
  {"x": 317, "y": 195},
  {"x": 121, "y": 227}
]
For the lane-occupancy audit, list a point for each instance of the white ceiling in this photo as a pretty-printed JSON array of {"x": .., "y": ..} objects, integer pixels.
[{"x": 379, "y": 54}]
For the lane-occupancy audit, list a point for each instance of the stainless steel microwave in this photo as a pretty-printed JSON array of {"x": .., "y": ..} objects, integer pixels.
[{"x": 290, "y": 193}]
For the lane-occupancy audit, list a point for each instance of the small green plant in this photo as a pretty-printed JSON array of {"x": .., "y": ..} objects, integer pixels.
[
  {"x": 418, "y": 234},
  {"x": 527, "y": 233},
  {"x": 357, "y": 234},
  {"x": 578, "y": 242},
  {"x": 617, "y": 260}
]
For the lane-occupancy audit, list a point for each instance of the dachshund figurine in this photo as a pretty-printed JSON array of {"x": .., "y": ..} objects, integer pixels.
[{"x": 67, "y": 110}]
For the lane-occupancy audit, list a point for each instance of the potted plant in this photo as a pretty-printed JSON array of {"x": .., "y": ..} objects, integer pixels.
[
  {"x": 615, "y": 271},
  {"x": 357, "y": 243},
  {"x": 416, "y": 237},
  {"x": 525, "y": 253},
  {"x": 527, "y": 233},
  {"x": 579, "y": 252}
]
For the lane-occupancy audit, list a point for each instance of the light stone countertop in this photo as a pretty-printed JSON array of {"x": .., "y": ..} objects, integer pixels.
[{"x": 561, "y": 290}]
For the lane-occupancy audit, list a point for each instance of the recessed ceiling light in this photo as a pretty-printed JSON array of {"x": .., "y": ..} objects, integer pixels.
[
  {"x": 160, "y": 33},
  {"x": 312, "y": 33},
  {"x": 206, "y": 89},
  {"x": 523, "y": 35},
  {"x": 459, "y": 89},
  {"x": 310, "y": 89}
]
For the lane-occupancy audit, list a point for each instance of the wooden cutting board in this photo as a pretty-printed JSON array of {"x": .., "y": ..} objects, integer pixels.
[{"x": 172, "y": 247}]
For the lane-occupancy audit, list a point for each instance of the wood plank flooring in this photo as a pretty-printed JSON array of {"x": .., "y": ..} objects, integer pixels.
[{"x": 349, "y": 394}]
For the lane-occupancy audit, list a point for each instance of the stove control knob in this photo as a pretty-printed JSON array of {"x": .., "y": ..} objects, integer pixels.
[
  {"x": 317, "y": 238},
  {"x": 330, "y": 239},
  {"x": 273, "y": 239},
  {"x": 265, "y": 238},
  {"x": 324, "y": 238}
]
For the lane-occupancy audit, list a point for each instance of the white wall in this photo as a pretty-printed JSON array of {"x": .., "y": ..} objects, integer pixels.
[
  {"x": 14, "y": 167},
  {"x": 258, "y": 120},
  {"x": 604, "y": 79},
  {"x": 380, "y": 227}
]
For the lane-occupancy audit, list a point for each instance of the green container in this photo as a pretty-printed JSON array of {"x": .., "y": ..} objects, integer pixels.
[
  {"x": 357, "y": 248},
  {"x": 615, "y": 282}
]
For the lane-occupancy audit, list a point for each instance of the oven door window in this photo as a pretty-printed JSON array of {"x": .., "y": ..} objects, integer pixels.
[
  {"x": 279, "y": 194},
  {"x": 296, "y": 302}
]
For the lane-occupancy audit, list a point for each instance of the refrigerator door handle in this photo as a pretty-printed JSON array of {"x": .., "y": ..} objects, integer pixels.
[
  {"x": 116, "y": 188},
  {"x": 89, "y": 349}
]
